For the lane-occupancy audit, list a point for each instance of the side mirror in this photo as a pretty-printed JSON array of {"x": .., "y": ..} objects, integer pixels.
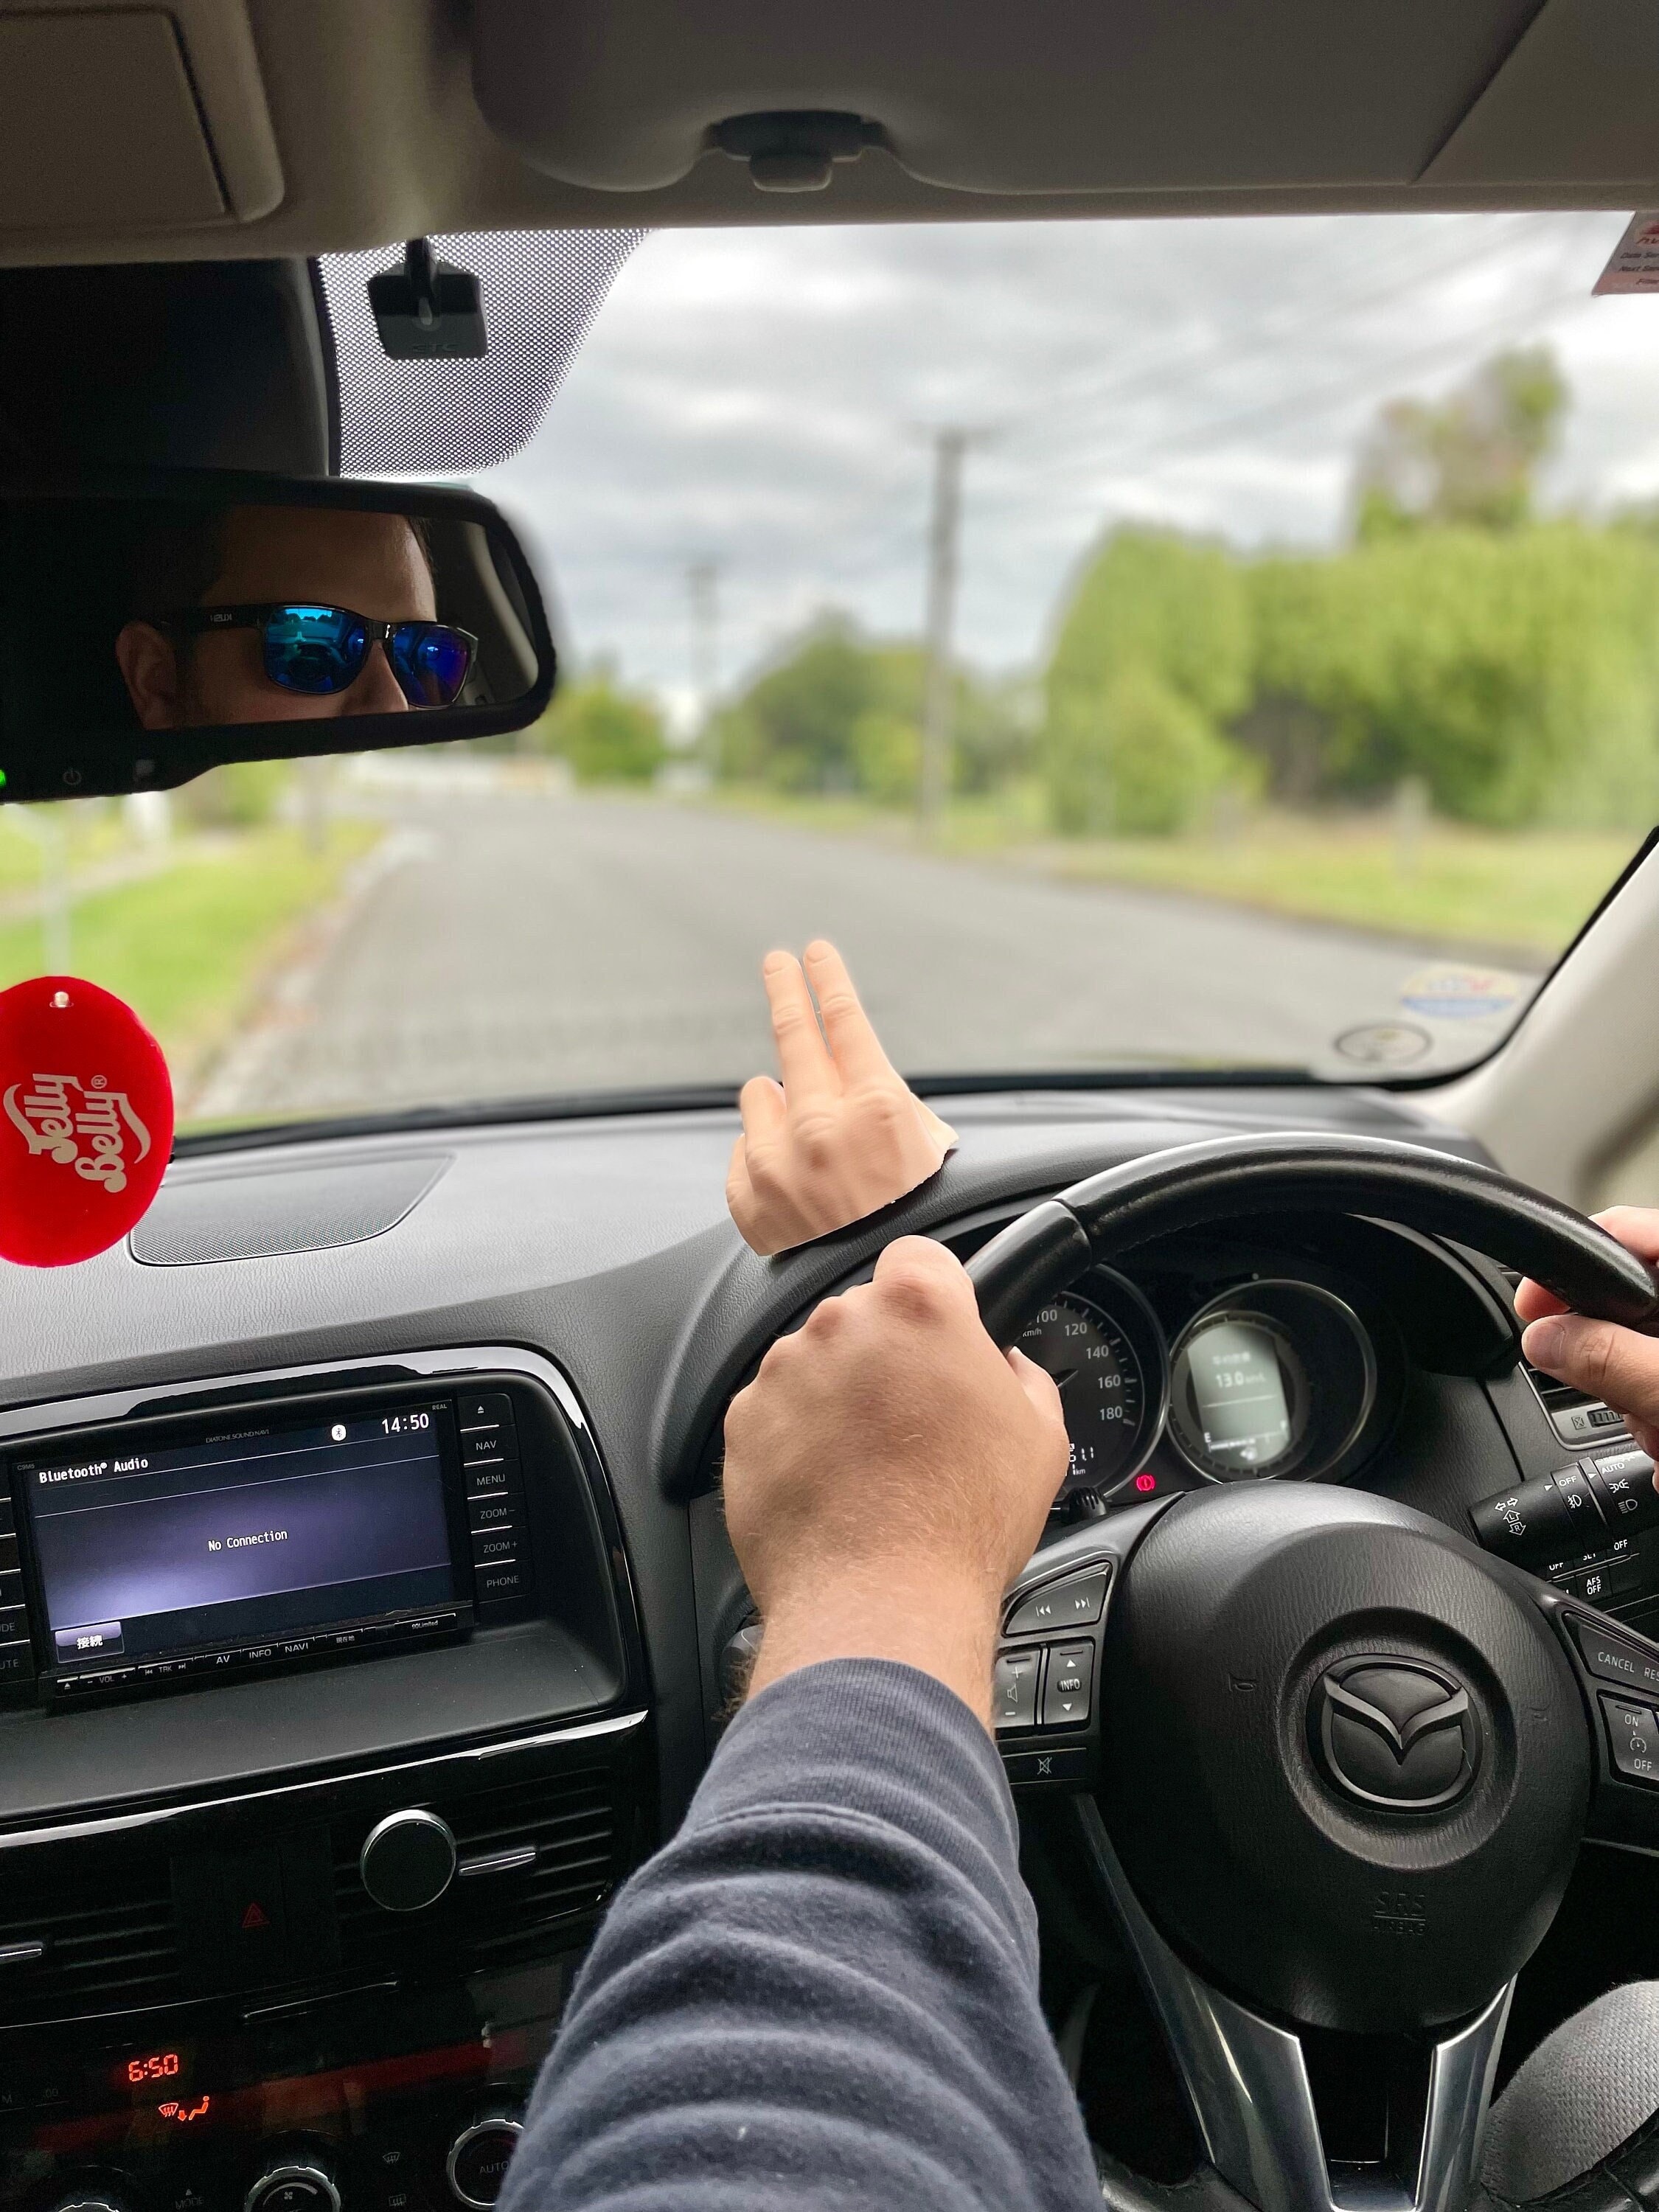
[{"x": 157, "y": 623}]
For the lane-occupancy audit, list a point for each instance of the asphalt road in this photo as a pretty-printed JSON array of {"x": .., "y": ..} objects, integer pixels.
[{"x": 539, "y": 944}]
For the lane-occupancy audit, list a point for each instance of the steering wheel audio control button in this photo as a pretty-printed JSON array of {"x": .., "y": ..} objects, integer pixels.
[
  {"x": 1014, "y": 1690},
  {"x": 1066, "y": 1693},
  {"x": 1633, "y": 1733},
  {"x": 1076, "y": 1602}
]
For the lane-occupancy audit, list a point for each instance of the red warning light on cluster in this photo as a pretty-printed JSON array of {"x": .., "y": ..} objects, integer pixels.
[{"x": 1146, "y": 1484}]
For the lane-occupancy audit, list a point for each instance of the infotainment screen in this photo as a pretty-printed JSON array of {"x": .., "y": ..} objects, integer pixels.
[{"x": 251, "y": 1531}]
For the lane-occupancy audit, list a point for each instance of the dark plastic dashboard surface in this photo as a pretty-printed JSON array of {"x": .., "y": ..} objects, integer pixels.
[{"x": 603, "y": 1246}]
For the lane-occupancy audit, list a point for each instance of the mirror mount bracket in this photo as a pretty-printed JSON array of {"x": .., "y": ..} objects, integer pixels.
[{"x": 428, "y": 310}]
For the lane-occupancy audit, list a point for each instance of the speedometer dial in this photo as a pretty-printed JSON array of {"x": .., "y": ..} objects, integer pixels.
[{"x": 1109, "y": 1371}]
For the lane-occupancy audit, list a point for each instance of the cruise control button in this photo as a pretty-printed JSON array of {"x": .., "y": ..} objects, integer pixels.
[
  {"x": 1013, "y": 1689},
  {"x": 1614, "y": 1660},
  {"x": 1069, "y": 1679},
  {"x": 486, "y": 1409},
  {"x": 1074, "y": 1604},
  {"x": 1633, "y": 1733}
]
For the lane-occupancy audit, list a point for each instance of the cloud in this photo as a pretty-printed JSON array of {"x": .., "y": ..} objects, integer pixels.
[{"x": 765, "y": 398}]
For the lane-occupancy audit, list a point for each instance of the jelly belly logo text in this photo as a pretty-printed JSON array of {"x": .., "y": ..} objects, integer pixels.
[{"x": 80, "y": 1123}]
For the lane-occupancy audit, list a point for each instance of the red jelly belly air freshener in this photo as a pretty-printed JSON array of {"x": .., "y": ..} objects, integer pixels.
[{"x": 86, "y": 1120}]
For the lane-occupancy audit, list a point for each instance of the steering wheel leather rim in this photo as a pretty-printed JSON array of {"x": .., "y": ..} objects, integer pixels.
[{"x": 1108, "y": 1214}]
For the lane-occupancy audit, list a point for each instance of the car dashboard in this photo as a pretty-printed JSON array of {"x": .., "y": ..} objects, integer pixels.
[{"x": 366, "y": 1610}]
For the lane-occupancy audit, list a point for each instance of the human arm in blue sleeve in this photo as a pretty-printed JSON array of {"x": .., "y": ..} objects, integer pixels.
[{"x": 824, "y": 1991}]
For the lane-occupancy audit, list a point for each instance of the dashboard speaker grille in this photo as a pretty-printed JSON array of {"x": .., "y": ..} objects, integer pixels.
[{"x": 533, "y": 1855}]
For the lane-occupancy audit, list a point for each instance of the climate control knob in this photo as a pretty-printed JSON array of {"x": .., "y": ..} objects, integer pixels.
[
  {"x": 299, "y": 2183},
  {"x": 91, "y": 2200},
  {"x": 407, "y": 1861},
  {"x": 478, "y": 2159}
]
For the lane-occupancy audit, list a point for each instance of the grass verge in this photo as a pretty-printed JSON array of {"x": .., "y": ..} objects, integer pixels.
[
  {"x": 188, "y": 946},
  {"x": 1522, "y": 893}
]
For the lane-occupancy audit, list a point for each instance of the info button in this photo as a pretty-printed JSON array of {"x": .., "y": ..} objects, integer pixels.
[{"x": 98, "y": 1639}]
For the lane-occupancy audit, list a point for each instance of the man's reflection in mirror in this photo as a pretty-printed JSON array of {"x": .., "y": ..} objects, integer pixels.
[{"x": 268, "y": 614}]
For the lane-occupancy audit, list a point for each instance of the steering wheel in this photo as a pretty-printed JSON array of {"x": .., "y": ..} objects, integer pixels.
[{"x": 1283, "y": 1853}]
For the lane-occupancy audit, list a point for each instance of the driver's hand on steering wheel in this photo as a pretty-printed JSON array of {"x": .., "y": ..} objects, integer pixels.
[
  {"x": 888, "y": 1472},
  {"x": 843, "y": 1135},
  {"x": 1618, "y": 1364}
]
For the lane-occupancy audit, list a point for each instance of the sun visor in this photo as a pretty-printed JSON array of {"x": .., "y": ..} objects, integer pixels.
[
  {"x": 1139, "y": 95},
  {"x": 124, "y": 121},
  {"x": 1577, "y": 102}
]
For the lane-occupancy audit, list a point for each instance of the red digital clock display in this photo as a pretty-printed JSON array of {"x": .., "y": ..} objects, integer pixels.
[{"x": 154, "y": 2066}]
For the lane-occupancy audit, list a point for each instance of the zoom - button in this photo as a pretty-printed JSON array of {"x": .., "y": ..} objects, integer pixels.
[{"x": 497, "y": 1512}]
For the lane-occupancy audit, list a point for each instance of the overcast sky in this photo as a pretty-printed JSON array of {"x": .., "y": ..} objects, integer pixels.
[{"x": 764, "y": 399}]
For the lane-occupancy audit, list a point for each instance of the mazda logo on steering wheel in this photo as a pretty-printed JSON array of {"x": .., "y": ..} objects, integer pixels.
[{"x": 1396, "y": 1734}]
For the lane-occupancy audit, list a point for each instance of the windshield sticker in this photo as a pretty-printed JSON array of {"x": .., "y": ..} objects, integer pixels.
[
  {"x": 1633, "y": 265},
  {"x": 1449, "y": 993},
  {"x": 1384, "y": 1044}
]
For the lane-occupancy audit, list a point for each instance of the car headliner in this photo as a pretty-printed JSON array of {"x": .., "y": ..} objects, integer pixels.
[{"x": 228, "y": 128}]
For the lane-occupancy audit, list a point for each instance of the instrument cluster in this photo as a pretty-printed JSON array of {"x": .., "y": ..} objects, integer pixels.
[{"x": 1178, "y": 1383}]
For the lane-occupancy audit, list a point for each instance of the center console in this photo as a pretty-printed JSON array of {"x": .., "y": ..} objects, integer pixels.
[{"x": 324, "y": 1742}]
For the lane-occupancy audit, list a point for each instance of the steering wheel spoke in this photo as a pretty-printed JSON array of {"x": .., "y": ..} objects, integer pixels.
[{"x": 1247, "y": 2081}]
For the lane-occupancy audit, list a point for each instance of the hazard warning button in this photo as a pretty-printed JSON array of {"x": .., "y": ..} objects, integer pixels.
[{"x": 232, "y": 1919}]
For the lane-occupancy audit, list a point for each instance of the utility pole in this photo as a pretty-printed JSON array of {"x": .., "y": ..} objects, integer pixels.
[
  {"x": 703, "y": 588},
  {"x": 951, "y": 445}
]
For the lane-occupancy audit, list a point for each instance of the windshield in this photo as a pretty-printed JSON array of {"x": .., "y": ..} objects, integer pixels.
[{"x": 1199, "y": 647}]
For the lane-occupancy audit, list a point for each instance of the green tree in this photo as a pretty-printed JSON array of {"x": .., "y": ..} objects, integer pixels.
[
  {"x": 836, "y": 711},
  {"x": 1469, "y": 460},
  {"x": 609, "y": 735},
  {"x": 1153, "y": 652},
  {"x": 1131, "y": 759}
]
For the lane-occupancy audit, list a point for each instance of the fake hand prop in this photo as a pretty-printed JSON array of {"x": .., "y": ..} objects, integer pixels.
[
  {"x": 86, "y": 1120},
  {"x": 843, "y": 1135}
]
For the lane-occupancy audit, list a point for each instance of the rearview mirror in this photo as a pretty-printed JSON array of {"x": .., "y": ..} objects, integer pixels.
[{"x": 157, "y": 624}]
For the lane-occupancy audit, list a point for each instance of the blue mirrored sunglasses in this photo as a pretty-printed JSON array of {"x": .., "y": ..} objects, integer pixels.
[{"x": 322, "y": 650}]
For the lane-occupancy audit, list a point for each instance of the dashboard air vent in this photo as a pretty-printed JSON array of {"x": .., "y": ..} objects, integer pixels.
[
  {"x": 532, "y": 1855},
  {"x": 80, "y": 1938}
]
